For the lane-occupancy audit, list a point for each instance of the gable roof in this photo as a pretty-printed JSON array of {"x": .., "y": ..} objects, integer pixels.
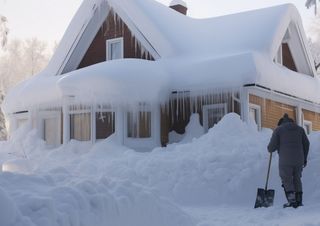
[
  {"x": 221, "y": 51},
  {"x": 166, "y": 33}
]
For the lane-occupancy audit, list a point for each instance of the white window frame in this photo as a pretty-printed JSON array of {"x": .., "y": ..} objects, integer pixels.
[
  {"x": 308, "y": 124},
  {"x": 147, "y": 143},
  {"x": 109, "y": 42},
  {"x": 23, "y": 116},
  {"x": 145, "y": 108},
  {"x": 205, "y": 110},
  {"x": 86, "y": 109},
  {"x": 47, "y": 114},
  {"x": 258, "y": 109}
]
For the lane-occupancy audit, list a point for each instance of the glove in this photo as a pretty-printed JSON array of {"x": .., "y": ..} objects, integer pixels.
[{"x": 305, "y": 164}]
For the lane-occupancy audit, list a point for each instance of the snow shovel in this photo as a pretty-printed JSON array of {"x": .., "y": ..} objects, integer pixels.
[{"x": 265, "y": 197}]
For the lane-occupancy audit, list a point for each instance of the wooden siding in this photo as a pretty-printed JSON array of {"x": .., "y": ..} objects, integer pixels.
[
  {"x": 113, "y": 27},
  {"x": 272, "y": 111},
  {"x": 312, "y": 117}
]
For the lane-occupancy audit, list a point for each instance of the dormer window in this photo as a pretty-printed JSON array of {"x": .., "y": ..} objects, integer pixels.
[
  {"x": 114, "y": 48},
  {"x": 284, "y": 57}
]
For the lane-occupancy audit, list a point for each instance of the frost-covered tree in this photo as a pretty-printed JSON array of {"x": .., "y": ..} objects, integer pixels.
[
  {"x": 3, "y": 41},
  {"x": 3, "y": 132},
  {"x": 3, "y": 31},
  {"x": 314, "y": 43},
  {"x": 310, "y": 3},
  {"x": 11, "y": 70},
  {"x": 35, "y": 56},
  {"x": 315, "y": 51},
  {"x": 20, "y": 61}
]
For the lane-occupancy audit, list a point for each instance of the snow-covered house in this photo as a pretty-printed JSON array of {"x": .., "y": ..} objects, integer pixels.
[{"x": 139, "y": 69}]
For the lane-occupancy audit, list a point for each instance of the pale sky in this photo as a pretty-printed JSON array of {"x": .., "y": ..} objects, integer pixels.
[{"x": 48, "y": 19}]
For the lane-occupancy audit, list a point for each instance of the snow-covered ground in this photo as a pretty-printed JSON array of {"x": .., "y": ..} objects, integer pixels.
[{"x": 206, "y": 181}]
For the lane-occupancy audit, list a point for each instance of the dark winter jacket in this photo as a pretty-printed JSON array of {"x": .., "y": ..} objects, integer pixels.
[{"x": 291, "y": 142}]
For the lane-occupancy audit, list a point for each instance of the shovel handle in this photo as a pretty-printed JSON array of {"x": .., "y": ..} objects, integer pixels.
[{"x": 270, "y": 158}]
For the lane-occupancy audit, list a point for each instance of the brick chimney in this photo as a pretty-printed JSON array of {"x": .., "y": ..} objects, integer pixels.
[{"x": 180, "y": 6}]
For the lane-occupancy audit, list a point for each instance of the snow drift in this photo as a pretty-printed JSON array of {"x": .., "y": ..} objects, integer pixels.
[{"x": 109, "y": 184}]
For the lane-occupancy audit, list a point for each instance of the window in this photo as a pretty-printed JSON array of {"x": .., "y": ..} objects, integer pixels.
[
  {"x": 22, "y": 118},
  {"x": 80, "y": 126},
  {"x": 212, "y": 114},
  {"x": 307, "y": 125},
  {"x": 50, "y": 126},
  {"x": 21, "y": 122},
  {"x": 114, "y": 48},
  {"x": 139, "y": 123},
  {"x": 105, "y": 124},
  {"x": 51, "y": 131},
  {"x": 255, "y": 115}
]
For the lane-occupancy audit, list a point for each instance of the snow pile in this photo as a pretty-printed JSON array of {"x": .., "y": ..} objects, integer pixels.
[
  {"x": 61, "y": 200},
  {"x": 193, "y": 130},
  {"x": 111, "y": 184},
  {"x": 8, "y": 211}
]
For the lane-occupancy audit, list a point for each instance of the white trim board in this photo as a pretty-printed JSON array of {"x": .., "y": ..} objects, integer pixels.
[{"x": 275, "y": 96}]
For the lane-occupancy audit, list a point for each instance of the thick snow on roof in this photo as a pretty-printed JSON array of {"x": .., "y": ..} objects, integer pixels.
[
  {"x": 172, "y": 33},
  {"x": 127, "y": 80},
  {"x": 33, "y": 92},
  {"x": 195, "y": 54},
  {"x": 133, "y": 80}
]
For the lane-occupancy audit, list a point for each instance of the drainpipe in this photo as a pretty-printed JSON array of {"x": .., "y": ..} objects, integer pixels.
[
  {"x": 244, "y": 104},
  {"x": 299, "y": 115}
]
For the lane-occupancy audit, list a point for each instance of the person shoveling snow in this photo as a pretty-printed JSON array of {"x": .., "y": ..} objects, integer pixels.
[{"x": 292, "y": 144}]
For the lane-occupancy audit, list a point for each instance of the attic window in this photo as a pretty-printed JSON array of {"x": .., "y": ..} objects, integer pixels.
[
  {"x": 114, "y": 48},
  {"x": 285, "y": 58}
]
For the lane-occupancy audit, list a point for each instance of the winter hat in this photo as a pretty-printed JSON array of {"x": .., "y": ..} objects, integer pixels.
[{"x": 285, "y": 118}]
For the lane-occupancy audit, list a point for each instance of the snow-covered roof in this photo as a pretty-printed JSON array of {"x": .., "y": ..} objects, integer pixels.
[
  {"x": 104, "y": 82},
  {"x": 173, "y": 34},
  {"x": 194, "y": 53},
  {"x": 224, "y": 35}
]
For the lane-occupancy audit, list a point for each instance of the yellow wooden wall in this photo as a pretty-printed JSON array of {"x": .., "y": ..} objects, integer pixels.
[{"x": 272, "y": 111}]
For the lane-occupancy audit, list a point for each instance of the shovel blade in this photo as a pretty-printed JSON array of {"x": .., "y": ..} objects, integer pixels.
[{"x": 264, "y": 198}]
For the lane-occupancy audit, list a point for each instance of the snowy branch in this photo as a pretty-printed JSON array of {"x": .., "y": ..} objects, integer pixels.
[
  {"x": 3, "y": 31},
  {"x": 310, "y": 3}
]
